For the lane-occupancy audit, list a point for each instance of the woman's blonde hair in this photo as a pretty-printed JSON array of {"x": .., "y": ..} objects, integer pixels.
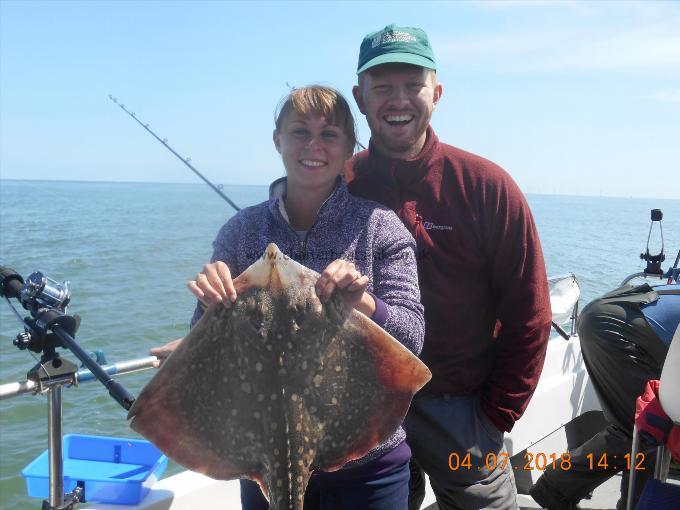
[{"x": 324, "y": 101}]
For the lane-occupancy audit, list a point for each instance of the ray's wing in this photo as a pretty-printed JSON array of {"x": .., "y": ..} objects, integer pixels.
[
  {"x": 205, "y": 407},
  {"x": 353, "y": 393}
]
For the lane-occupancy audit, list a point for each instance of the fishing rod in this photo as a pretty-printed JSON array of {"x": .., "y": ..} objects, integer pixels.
[
  {"x": 674, "y": 272},
  {"x": 186, "y": 161}
]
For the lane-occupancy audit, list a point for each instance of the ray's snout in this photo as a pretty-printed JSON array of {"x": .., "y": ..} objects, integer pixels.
[
  {"x": 273, "y": 258},
  {"x": 272, "y": 253},
  {"x": 284, "y": 272}
]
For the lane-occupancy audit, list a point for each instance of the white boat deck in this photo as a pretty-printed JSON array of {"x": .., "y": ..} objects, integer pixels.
[
  {"x": 190, "y": 491},
  {"x": 604, "y": 497}
]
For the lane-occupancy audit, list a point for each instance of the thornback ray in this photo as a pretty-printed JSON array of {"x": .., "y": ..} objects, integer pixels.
[{"x": 279, "y": 385}]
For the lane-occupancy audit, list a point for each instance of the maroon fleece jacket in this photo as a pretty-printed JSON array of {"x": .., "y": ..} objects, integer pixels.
[{"x": 480, "y": 267}]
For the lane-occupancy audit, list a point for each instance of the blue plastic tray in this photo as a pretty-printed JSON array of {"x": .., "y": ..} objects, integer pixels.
[{"x": 114, "y": 470}]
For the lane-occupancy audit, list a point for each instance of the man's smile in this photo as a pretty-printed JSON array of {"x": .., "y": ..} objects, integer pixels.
[{"x": 398, "y": 120}]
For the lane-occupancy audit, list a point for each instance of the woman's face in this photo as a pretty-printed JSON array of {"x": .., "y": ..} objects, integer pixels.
[{"x": 313, "y": 151}]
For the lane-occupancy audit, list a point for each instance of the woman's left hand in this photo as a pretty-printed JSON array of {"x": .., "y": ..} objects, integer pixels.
[{"x": 343, "y": 275}]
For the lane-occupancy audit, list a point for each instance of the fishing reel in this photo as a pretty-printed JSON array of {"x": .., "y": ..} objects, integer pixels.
[
  {"x": 37, "y": 292},
  {"x": 47, "y": 301},
  {"x": 50, "y": 327},
  {"x": 43, "y": 292}
]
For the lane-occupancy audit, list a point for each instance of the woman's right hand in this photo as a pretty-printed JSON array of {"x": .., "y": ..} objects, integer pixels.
[
  {"x": 214, "y": 285},
  {"x": 164, "y": 351}
]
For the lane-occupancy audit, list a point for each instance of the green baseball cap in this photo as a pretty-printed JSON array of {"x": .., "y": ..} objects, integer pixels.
[{"x": 393, "y": 44}]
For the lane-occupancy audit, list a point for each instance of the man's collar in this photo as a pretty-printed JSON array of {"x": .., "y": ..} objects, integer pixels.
[
  {"x": 431, "y": 142},
  {"x": 405, "y": 171}
]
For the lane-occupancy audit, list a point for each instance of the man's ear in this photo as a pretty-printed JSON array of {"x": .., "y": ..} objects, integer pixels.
[
  {"x": 277, "y": 140},
  {"x": 438, "y": 91},
  {"x": 358, "y": 97}
]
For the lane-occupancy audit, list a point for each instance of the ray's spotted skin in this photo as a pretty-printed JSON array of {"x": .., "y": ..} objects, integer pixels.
[{"x": 278, "y": 385}]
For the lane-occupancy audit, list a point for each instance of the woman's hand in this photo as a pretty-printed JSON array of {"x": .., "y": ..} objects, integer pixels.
[
  {"x": 214, "y": 285},
  {"x": 164, "y": 351},
  {"x": 343, "y": 275}
]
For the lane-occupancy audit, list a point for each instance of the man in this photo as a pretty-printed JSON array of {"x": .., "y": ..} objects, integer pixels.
[
  {"x": 480, "y": 268},
  {"x": 624, "y": 336}
]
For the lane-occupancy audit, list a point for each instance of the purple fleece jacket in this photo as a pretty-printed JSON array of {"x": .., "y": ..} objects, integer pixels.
[{"x": 350, "y": 228}]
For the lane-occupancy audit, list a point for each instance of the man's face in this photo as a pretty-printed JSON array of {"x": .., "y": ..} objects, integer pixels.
[{"x": 398, "y": 101}]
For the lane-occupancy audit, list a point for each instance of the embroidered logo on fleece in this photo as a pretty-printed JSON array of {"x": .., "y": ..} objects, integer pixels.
[{"x": 431, "y": 226}]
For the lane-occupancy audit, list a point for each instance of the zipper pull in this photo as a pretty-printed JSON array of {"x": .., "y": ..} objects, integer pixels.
[{"x": 303, "y": 246}]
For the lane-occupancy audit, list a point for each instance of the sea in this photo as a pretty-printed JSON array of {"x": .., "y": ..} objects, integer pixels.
[{"x": 128, "y": 250}]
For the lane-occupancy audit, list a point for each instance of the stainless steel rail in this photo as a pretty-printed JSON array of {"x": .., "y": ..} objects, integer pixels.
[
  {"x": 640, "y": 275},
  {"x": 15, "y": 389}
]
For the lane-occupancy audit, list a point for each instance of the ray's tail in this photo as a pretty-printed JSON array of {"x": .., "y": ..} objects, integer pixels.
[{"x": 287, "y": 487}]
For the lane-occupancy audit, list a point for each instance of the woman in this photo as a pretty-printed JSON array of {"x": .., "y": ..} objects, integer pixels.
[{"x": 361, "y": 249}]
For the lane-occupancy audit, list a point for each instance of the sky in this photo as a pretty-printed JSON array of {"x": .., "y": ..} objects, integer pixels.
[{"x": 579, "y": 98}]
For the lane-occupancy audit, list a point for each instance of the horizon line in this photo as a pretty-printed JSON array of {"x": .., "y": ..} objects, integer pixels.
[{"x": 527, "y": 193}]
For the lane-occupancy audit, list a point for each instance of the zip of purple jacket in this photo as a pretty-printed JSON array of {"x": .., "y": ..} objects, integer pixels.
[
  {"x": 480, "y": 266},
  {"x": 350, "y": 228}
]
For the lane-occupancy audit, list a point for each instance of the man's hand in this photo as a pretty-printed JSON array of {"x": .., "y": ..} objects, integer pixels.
[
  {"x": 343, "y": 275},
  {"x": 214, "y": 285},
  {"x": 164, "y": 351}
]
